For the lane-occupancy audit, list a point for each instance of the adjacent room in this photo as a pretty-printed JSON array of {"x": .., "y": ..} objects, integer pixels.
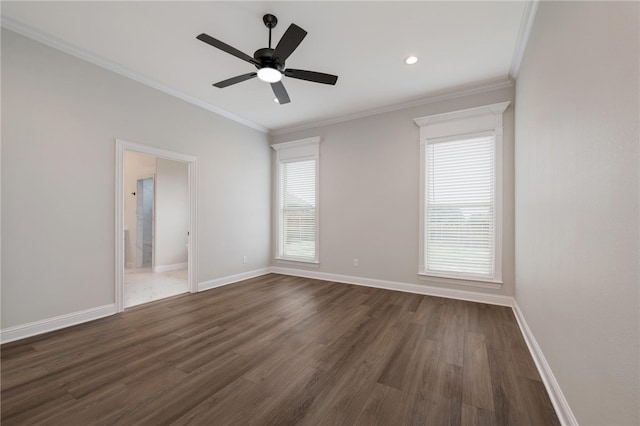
[
  {"x": 156, "y": 228},
  {"x": 320, "y": 213}
]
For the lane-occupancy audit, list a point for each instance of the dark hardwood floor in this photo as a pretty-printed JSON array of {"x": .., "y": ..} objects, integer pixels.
[{"x": 278, "y": 350}]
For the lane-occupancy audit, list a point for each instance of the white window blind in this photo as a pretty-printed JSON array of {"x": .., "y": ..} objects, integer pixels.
[
  {"x": 298, "y": 225},
  {"x": 459, "y": 209}
]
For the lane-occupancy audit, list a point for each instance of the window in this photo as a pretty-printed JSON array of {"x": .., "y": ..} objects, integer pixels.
[
  {"x": 461, "y": 186},
  {"x": 459, "y": 207},
  {"x": 297, "y": 200}
]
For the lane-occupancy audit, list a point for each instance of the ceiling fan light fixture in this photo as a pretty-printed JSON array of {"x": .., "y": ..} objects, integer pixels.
[{"x": 269, "y": 75}]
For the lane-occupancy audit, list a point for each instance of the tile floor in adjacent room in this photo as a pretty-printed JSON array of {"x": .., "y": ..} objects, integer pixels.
[{"x": 144, "y": 285}]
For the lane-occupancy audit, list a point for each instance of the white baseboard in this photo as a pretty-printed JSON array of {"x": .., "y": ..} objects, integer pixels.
[
  {"x": 167, "y": 268},
  {"x": 565, "y": 415},
  {"x": 44, "y": 326},
  {"x": 219, "y": 282},
  {"x": 492, "y": 299},
  {"x": 558, "y": 400},
  {"x": 560, "y": 403},
  {"x": 62, "y": 321}
]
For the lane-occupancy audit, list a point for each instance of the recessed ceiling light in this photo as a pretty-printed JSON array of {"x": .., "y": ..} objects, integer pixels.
[
  {"x": 411, "y": 60},
  {"x": 276, "y": 100}
]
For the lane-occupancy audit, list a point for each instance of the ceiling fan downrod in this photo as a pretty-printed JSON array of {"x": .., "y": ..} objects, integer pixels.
[{"x": 270, "y": 21}]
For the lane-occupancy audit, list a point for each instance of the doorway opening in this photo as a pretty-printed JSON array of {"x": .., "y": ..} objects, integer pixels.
[
  {"x": 155, "y": 224},
  {"x": 156, "y": 219}
]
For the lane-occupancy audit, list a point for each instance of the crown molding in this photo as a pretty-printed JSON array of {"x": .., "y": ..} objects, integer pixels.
[
  {"x": 49, "y": 40},
  {"x": 63, "y": 46},
  {"x": 314, "y": 141},
  {"x": 528, "y": 16},
  {"x": 442, "y": 96},
  {"x": 493, "y": 109}
]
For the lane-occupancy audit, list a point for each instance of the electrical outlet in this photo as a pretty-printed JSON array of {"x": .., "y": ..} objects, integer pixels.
[
  {"x": 244, "y": 259},
  {"x": 356, "y": 262}
]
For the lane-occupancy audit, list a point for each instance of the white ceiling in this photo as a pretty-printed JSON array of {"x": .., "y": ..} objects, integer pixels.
[{"x": 365, "y": 43}]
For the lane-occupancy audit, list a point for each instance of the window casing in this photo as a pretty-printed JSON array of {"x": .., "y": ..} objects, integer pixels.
[
  {"x": 461, "y": 195},
  {"x": 297, "y": 200}
]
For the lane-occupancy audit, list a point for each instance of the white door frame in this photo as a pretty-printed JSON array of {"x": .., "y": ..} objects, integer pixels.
[{"x": 192, "y": 245}]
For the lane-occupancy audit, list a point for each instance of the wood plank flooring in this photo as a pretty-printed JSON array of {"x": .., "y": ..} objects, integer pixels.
[{"x": 279, "y": 350}]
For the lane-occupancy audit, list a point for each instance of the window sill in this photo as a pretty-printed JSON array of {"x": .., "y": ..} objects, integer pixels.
[
  {"x": 288, "y": 261},
  {"x": 472, "y": 282}
]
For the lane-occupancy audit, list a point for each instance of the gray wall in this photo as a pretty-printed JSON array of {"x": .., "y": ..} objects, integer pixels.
[
  {"x": 368, "y": 193},
  {"x": 577, "y": 203},
  {"x": 60, "y": 118}
]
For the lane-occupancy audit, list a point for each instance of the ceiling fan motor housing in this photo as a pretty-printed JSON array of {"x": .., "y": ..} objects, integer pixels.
[{"x": 265, "y": 57}]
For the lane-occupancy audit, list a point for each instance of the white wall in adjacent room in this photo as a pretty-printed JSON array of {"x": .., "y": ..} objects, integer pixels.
[
  {"x": 136, "y": 166},
  {"x": 172, "y": 213},
  {"x": 577, "y": 195}
]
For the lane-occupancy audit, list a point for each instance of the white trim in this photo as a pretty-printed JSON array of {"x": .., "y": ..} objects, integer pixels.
[
  {"x": 192, "y": 244},
  {"x": 462, "y": 280},
  {"x": 528, "y": 17},
  {"x": 294, "y": 262},
  {"x": 119, "y": 246},
  {"x": 219, "y": 282},
  {"x": 192, "y": 238},
  {"x": 492, "y": 299},
  {"x": 297, "y": 144},
  {"x": 558, "y": 400},
  {"x": 464, "y": 123},
  {"x": 565, "y": 415},
  {"x": 462, "y": 114},
  {"x": 59, "y": 44},
  {"x": 437, "y": 97},
  {"x": 63, "y": 46},
  {"x": 157, "y": 152},
  {"x": 297, "y": 150},
  {"x": 168, "y": 268},
  {"x": 61, "y": 321}
]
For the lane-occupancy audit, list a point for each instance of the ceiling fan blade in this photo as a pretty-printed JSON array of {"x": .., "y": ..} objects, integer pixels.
[
  {"x": 289, "y": 41},
  {"x": 280, "y": 92},
  {"x": 226, "y": 48},
  {"x": 236, "y": 79},
  {"x": 316, "y": 77}
]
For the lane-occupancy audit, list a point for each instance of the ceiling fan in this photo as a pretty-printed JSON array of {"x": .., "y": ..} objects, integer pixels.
[{"x": 270, "y": 62}]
